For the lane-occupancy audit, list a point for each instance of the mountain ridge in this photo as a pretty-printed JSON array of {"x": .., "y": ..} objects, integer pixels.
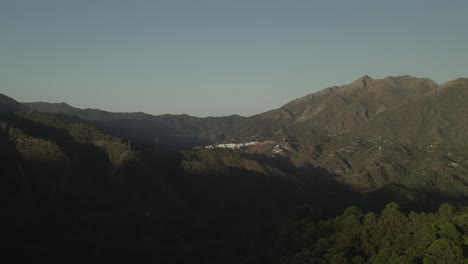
[
  {"x": 366, "y": 143},
  {"x": 8, "y": 104},
  {"x": 337, "y": 109},
  {"x": 40, "y": 105}
]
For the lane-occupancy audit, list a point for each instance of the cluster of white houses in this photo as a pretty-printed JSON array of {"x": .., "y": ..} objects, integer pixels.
[{"x": 232, "y": 145}]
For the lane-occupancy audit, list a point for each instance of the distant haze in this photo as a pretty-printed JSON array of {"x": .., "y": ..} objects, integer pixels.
[{"x": 219, "y": 57}]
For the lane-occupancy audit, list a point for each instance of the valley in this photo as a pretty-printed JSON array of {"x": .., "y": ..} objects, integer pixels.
[{"x": 174, "y": 188}]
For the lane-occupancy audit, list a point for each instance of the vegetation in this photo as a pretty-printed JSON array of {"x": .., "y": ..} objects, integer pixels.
[
  {"x": 354, "y": 237},
  {"x": 369, "y": 163},
  {"x": 71, "y": 186},
  {"x": 29, "y": 129}
]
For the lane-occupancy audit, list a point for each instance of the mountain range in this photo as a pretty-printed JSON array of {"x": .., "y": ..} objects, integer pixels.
[
  {"x": 365, "y": 143},
  {"x": 404, "y": 115},
  {"x": 335, "y": 110}
]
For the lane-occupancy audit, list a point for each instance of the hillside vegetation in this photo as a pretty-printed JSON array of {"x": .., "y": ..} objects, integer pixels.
[
  {"x": 356, "y": 237},
  {"x": 132, "y": 184}
]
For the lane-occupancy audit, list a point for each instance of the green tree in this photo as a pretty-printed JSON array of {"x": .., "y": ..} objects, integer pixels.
[
  {"x": 443, "y": 251},
  {"x": 447, "y": 230},
  {"x": 446, "y": 211},
  {"x": 338, "y": 259}
]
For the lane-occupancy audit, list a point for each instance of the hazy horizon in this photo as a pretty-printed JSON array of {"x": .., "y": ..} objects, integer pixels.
[
  {"x": 273, "y": 107},
  {"x": 217, "y": 58}
]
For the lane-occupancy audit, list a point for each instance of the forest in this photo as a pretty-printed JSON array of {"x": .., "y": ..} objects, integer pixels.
[{"x": 390, "y": 236}]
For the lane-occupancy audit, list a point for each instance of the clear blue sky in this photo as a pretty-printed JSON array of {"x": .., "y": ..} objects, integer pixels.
[{"x": 219, "y": 57}]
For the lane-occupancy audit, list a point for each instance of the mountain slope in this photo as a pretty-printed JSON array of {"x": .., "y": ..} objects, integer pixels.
[
  {"x": 338, "y": 110},
  {"x": 61, "y": 157},
  {"x": 370, "y": 133},
  {"x": 8, "y": 104},
  {"x": 179, "y": 131},
  {"x": 440, "y": 117},
  {"x": 366, "y": 143},
  {"x": 421, "y": 145},
  {"x": 332, "y": 110},
  {"x": 63, "y": 178}
]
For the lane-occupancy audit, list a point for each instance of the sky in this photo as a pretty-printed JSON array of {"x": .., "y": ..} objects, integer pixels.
[{"x": 219, "y": 57}]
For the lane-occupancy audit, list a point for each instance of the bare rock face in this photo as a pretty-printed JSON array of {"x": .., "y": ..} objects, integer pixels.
[{"x": 362, "y": 82}]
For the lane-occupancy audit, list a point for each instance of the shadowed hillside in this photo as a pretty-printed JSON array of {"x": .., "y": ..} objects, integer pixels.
[{"x": 132, "y": 184}]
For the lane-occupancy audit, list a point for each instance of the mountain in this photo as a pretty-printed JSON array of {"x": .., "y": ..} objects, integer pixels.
[
  {"x": 438, "y": 118},
  {"x": 369, "y": 133},
  {"x": 85, "y": 114},
  {"x": 419, "y": 144},
  {"x": 179, "y": 131},
  {"x": 332, "y": 110},
  {"x": 8, "y": 104},
  {"x": 340, "y": 109},
  {"x": 58, "y": 157},
  {"x": 64, "y": 178},
  {"x": 171, "y": 188}
]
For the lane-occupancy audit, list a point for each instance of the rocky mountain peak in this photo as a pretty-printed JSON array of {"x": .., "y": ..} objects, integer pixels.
[{"x": 362, "y": 82}]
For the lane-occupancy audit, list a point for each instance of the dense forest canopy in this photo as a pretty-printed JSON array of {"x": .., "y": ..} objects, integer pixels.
[{"x": 390, "y": 236}]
